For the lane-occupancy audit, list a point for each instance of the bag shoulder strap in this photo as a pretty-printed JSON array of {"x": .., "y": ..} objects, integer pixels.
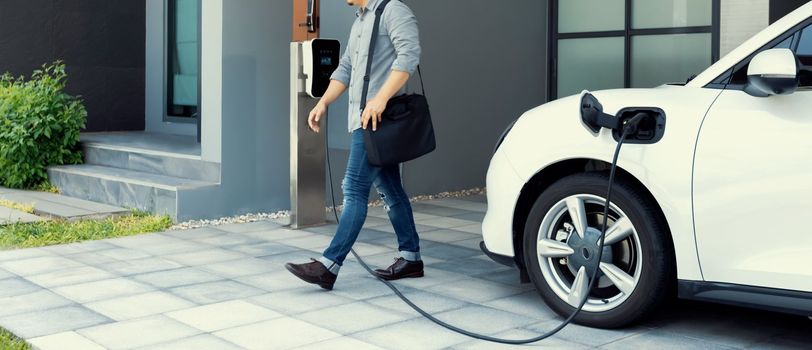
[
  {"x": 372, "y": 43},
  {"x": 375, "y": 30}
]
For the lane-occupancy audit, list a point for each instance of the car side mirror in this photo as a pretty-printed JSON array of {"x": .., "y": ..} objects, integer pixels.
[{"x": 773, "y": 72}]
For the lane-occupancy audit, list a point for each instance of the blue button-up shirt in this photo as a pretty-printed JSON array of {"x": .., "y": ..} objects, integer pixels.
[{"x": 397, "y": 48}]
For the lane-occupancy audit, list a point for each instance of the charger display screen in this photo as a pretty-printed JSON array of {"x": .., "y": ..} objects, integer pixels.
[{"x": 325, "y": 58}]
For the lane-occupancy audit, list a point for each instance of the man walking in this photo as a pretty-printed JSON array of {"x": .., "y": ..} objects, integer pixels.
[{"x": 396, "y": 56}]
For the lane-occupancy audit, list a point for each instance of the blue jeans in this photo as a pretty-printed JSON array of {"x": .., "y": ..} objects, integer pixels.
[{"x": 359, "y": 178}]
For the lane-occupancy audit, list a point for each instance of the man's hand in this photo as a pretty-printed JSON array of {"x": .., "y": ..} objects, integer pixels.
[
  {"x": 372, "y": 113},
  {"x": 316, "y": 114}
]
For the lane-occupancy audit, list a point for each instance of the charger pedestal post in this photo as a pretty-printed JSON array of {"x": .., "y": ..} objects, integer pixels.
[{"x": 308, "y": 180}]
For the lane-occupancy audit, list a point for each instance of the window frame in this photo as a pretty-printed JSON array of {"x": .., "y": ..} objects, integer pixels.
[
  {"x": 168, "y": 83},
  {"x": 627, "y": 34}
]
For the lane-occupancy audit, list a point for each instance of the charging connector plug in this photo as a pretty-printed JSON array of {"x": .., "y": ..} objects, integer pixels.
[
  {"x": 640, "y": 125},
  {"x": 632, "y": 126}
]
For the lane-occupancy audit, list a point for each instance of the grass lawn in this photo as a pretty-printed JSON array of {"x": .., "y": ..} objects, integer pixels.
[
  {"x": 9, "y": 342},
  {"x": 38, "y": 234}
]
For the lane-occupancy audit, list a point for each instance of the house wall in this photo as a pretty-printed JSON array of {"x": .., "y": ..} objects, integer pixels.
[
  {"x": 484, "y": 64},
  {"x": 482, "y": 69},
  {"x": 740, "y": 20},
  {"x": 255, "y": 105},
  {"x": 100, "y": 41}
]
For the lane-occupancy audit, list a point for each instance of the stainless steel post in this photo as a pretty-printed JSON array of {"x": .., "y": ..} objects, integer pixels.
[{"x": 307, "y": 153}]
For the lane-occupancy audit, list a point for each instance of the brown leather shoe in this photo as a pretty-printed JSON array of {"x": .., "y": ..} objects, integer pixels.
[
  {"x": 313, "y": 272},
  {"x": 402, "y": 268}
]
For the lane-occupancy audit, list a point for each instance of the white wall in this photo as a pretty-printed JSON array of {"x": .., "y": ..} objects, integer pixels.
[{"x": 741, "y": 19}]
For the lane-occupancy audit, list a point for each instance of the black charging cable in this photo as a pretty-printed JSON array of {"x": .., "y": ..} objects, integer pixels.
[{"x": 629, "y": 128}]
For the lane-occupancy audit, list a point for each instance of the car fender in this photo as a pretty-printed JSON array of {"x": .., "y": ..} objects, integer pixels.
[{"x": 553, "y": 133}]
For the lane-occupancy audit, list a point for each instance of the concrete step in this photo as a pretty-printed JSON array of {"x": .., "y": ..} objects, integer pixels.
[
  {"x": 150, "y": 161},
  {"x": 127, "y": 188}
]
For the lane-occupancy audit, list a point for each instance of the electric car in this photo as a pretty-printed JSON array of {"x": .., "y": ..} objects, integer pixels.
[{"x": 710, "y": 199}]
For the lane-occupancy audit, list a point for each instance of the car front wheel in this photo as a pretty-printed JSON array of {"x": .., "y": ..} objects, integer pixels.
[{"x": 636, "y": 271}]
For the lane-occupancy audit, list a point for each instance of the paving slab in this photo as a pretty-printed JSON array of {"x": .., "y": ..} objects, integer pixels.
[
  {"x": 214, "y": 292},
  {"x": 225, "y": 315},
  {"x": 38, "y": 265},
  {"x": 139, "y": 266},
  {"x": 138, "y": 333},
  {"x": 37, "y": 301},
  {"x": 262, "y": 249},
  {"x": 52, "y": 321},
  {"x": 13, "y": 216},
  {"x": 475, "y": 290},
  {"x": 430, "y": 302},
  {"x": 416, "y": 333},
  {"x": 141, "y": 305},
  {"x": 355, "y": 317},
  {"x": 10, "y": 255},
  {"x": 275, "y": 281},
  {"x": 65, "y": 340},
  {"x": 10, "y": 287},
  {"x": 176, "y": 277},
  {"x": 202, "y": 257},
  {"x": 102, "y": 290},
  {"x": 554, "y": 343},
  {"x": 58, "y": 206},
  {"x": 299, "y": 301},
  {"x": 343, "y": 343},
  {"x": 588, "y": 336},
  {"x": 470, "y": 317},
  {"x": 280, "y": 333},
  {"x": 70, "y": 277},
  {"x": 197, "y": 342}
]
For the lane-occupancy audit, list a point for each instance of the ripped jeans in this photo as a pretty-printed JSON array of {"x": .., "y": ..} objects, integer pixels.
[{"x": 359, "y": 178}]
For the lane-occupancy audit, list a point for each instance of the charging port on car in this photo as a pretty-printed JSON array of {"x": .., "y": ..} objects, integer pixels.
[{"x": 650, "y": 130}]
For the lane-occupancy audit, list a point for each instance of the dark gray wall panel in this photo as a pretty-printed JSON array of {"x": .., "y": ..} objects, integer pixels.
[
  {"x": 102, "y": 43},
  {"x": 780, "y": 8},
  {"x": 484, "y": 64}
]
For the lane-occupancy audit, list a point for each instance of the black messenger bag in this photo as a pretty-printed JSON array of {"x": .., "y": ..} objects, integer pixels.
[{"x": 406, "y": 131}]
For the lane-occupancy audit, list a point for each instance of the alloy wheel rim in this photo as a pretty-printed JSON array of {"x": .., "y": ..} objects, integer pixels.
[{"x": 567, "y": 252}]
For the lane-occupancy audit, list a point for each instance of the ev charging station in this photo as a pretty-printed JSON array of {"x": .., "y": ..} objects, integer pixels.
[{"x": 312, "y": 62}]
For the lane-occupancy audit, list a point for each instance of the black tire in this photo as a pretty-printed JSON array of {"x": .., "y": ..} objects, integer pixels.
[{"x": 657, "y": 272}]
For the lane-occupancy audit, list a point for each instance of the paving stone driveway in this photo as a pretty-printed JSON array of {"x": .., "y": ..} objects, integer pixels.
[{"x": 226, "y": 288}]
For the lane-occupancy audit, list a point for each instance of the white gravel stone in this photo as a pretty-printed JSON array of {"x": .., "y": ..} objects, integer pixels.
[{"x": 241, "y": 219}]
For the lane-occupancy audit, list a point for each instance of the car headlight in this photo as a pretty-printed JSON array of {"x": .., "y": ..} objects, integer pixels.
[{"x": 504, "y": 135}]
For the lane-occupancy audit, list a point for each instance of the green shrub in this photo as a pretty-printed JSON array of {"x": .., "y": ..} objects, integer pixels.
[{"x": 39, "y": 126}]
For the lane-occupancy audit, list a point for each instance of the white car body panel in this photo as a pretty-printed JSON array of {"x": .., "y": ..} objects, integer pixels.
[{"x": 753, "y": 191}]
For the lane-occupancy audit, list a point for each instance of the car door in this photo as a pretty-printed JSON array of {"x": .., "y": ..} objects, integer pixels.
[{"x": 753, "y": 182}]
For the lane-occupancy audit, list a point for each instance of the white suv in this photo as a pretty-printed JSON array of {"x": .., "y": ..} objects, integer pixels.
[{"x": 711, "y": 199}]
